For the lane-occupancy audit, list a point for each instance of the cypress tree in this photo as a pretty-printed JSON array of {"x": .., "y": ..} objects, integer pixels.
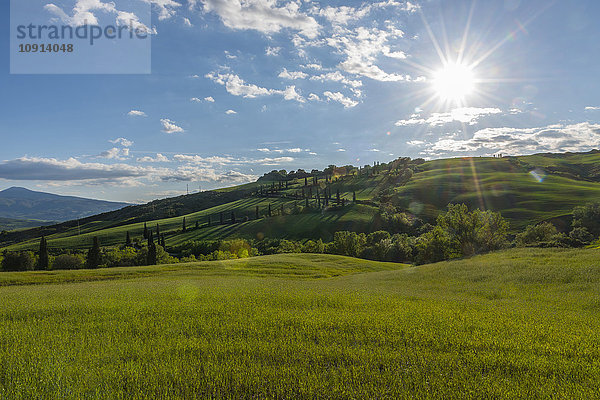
[
  {"x": 256, "y": 212},
  {"x": 282, "y": 210},
  {"x": 183, "y": 224},
  {"x": 221, "y": 217},
  {"x": 197, "y": 225},
  {"x": 354, "y": 197},
  {"x": 43, "y": 261},
  {"x": 145, "y": 231},
  {"x": 151, "y": 260},
  {"x": 127, "y": 240},
  {"x": 337, "y": 196},
  {"x": 233, "y": 217},
  {"x": 307, "y": 202},
  {"x": 269, "y": 209},
  {"x": 94, "y": 258},
  {"x": 305, "y": 181},
  {"x": 162, "y": 241},
  {"x": 157, "y": 231}
]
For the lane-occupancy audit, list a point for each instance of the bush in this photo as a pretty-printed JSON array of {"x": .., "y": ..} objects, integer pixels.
[
  {"x": 581, "y": 235},
  {"x": 588, "y": 217},
  {"x": 473, "y": 232},
  {"x": 124, "y": 257},
  {"x": 433, "y": 246},
  {"x": 288, "y": 246},
  {"x": 68, "y": 261},
  {"x": 310, "y": 246},
  {"x": 536, "y": 234},
  {"x": 348, "y": 243},
  {"x": 22, "y": 261}
]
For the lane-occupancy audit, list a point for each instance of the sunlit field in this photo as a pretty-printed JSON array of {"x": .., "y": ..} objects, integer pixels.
[{"x": 514, "y": 324}]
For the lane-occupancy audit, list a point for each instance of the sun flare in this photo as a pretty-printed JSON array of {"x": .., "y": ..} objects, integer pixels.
[{"x": 454, "y": 82}]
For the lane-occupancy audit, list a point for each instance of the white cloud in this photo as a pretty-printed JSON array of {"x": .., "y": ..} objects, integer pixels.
[
  {"x": 187, "y": 22},
  {"x": 272, "y": 51},
  {"x": 363, "y": 46},
  {"x": 340, "y": 98},
  {"x": 206, "y": 161},
  {"x": 230, "y": 112},
  {"x": 511, "y": 141},
  {"x": 273, "y": 161},
  {"x": 468, "y": 115},
  {"x": 122, "y": 141},
  {"x": 290, "y": 93},
  {"x": 83, "y": 13},
  {"x": 159, "y": 158},
  {"x": 341, "y": 150},
  {"x": 136, "y": 113},
  {"x": 170, "y": 126},
  {"x": 314, "y": 97},
  {"x": 592, "y": 108},
  {"x": 337, "y": 76},
  {"x": 238, "y": 87},
  {"x": 285, "y": 74},
  {"x": 196, "y": 100},
  {"x": 316, "y": 67},
  {"x": 115, "y": 153},
  {"x": 375, "y": 150},
  {"x": 265, "y": 16},
  {"x": 209, "y": 99},
  {"x": 51, "y": 169}
]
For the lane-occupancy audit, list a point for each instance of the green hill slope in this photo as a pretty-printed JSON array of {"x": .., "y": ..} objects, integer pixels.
[{"x": 526, "y": 190}]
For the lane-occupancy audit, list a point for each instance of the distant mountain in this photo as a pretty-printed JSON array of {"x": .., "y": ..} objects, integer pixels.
[{"x": 24, "y": 204}]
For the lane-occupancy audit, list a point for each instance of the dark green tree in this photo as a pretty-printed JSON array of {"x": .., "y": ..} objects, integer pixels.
[
  {"x": 94, "y": 257},
  {"x": 145, "y": 231},
  {"x": 270, "y": 210},
  {"x": 43, "y": 260},
  {"x": 127, "y": 240},
  {"x": 256, "y": 212},
  {"x": 233, "y": 217},
  {"x": 151, "y": 260},
  {"x": 354, "y": 197},
  {"x": 157, "y": 231},
  {"x": 183, "y": 225}
]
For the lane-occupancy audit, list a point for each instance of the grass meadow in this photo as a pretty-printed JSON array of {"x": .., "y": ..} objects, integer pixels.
[{"x": 514, "y": 324}]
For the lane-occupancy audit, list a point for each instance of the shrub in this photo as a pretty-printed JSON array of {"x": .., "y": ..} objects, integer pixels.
[
  {"x": 581, "y": 235},
  {"x": 22, "y": 261},
  {"x": 588, "y": 217},
  {"x": 433, "y": 246},
  {"x": 536, "y": 234},
  {"x": 311, "y": 246},
  {"x": 68, "y": 261}
]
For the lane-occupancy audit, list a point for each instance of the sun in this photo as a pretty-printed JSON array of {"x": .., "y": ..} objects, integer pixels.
[{"x": 454, "y": 82}]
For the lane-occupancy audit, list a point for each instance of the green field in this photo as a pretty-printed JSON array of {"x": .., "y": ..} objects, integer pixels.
[{"x": 513, "y": 324}]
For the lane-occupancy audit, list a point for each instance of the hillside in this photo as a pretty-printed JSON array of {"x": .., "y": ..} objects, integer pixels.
[
  {"x": 24, "y": 204},
  {"x": 526, "y": 190},
  {"x": 307, "y": 326}
]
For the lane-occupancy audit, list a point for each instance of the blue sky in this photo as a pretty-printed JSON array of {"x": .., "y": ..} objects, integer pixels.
[{"x": 240, "y": 88}]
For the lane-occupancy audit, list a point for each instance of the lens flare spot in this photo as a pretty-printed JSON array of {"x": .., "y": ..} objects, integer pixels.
[{"x": 538, "y": 174}]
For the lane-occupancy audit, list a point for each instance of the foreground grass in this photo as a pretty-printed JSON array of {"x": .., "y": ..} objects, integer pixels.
[{"x": 514, "y": 324}]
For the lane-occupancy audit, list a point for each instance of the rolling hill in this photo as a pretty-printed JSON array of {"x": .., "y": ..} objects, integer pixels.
[
  {"x": 525, "y": 189},
  {"x": 24, "y": 204}
]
